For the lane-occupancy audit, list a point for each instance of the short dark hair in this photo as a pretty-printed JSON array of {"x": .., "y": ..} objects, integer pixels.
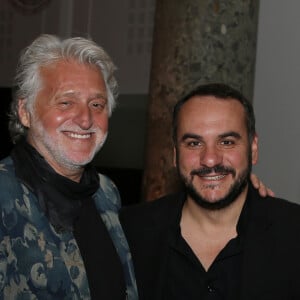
[{"x": 220, "y": 91}]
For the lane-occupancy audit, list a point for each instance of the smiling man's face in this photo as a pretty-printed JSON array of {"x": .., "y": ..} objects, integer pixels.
[
  {"x": 70, "y": 115},
  {"x": 213, "y": 153}
]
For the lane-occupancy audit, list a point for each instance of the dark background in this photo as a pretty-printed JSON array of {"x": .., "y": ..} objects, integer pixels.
[{"x": 6, "y": 145}]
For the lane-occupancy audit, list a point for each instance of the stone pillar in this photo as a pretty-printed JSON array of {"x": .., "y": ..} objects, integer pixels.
[{"x": 195, "y": 41}]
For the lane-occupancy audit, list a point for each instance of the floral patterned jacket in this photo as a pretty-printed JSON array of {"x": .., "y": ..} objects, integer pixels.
[{"x": 38, "y": 263}]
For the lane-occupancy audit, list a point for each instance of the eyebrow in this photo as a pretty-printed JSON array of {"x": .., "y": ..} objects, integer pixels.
[
  {"x": 191, "y": 136},
  {"x": 77, "y": 94},
  {"x": 200, "y": 137},
  {"x": 230, "y": 134},
  {"x": 97, "y": 96}
]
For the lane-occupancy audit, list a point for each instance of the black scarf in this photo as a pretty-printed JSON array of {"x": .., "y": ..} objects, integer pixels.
[{"x": 59, "y": 197}]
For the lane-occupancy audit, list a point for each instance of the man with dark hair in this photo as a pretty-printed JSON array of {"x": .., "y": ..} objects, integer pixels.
[{"x": 218, "y": 239}]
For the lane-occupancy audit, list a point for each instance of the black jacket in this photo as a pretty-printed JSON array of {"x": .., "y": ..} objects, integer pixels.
[{"x": 271, "y": 259}]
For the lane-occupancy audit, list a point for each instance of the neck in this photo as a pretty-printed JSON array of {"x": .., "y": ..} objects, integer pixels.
[
  {"x": 207, "y": 232},
  {"x": 74, "y": 175},
  {"x": 220, "y": 220}
]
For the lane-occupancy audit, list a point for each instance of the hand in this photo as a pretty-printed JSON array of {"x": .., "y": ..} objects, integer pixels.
[{"x": 262, "y": 189}]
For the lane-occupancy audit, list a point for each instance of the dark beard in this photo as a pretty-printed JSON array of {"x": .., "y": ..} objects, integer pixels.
[{"x": 235, "y": 190}]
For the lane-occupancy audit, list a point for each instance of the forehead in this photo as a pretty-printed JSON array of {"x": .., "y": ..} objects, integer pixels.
[
  {"x": 68, "y": 71},
  {"x": 211, "y": 111}
]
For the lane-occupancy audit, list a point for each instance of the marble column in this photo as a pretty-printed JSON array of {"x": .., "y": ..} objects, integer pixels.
[{"x": 195, "y": 41}]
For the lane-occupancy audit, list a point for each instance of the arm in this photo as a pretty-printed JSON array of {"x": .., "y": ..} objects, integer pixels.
[{"x": 262, "y": 189}]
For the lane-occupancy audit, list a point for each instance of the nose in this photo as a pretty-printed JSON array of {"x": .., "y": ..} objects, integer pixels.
[
  {"x": 83, "y": 117},
  {"x": 211, "y": 156}
]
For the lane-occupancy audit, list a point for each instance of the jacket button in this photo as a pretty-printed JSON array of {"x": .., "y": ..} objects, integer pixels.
[{"x": 210, "y": 288}]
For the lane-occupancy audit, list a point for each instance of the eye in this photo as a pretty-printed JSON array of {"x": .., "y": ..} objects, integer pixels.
[
  {"x": 193, "y": 144},
  {"x": 228, "y": 143},
  {"x": 65, "y": 103},
  {"x": 98, "y": 105}
]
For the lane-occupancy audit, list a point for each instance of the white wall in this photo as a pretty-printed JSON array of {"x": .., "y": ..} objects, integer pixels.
[{"x": 277, "y": 96}]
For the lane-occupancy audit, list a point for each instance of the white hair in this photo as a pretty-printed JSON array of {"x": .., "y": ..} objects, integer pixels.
[{"x": 48, "y": 49}]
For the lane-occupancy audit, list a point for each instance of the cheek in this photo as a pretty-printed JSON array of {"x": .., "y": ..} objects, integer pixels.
[
  {"x": 188, "y": 160},
  {"x": 237, "y": 159},
  {"x": 53, "y": 121},
  {"x": 101, "y": 122}
]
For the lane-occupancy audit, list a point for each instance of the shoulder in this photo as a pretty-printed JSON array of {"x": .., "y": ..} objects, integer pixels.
[
  {"x": 107, "y": 184},
  {"x": 281, "y": 209},
  {"x": 151, "y": 213},
  {"x": 6, "y": 168},
  {"x": 8, "y": 178},
  {"x": 149, "y": 207},
  {"x": 107, "y": 197},
  {"x": 284, "y": 215},
  {"x": 273, "y": 206},
  {"x": 10, "y": 185}
]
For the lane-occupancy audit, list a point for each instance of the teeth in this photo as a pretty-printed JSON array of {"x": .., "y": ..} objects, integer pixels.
[
  {"x": 218, "y": 177},
  {"x": 79, "y": 136}
]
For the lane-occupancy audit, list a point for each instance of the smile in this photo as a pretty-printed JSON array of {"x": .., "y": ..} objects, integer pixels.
[
  {"x": 79, "y": 136},
  {"x": 216, "y": 177}
]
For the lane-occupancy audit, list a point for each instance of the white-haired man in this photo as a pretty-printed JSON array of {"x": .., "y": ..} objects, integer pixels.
[{"x": 60, "y": 237}]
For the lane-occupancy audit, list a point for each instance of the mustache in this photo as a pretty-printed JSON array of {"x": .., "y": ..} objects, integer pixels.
[
  {"x": 77, "y": 129},
  {"x": 216, "y": 169}
]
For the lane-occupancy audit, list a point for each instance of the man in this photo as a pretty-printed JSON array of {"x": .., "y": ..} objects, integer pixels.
[
  {"x": 218, "y": 239},
  {"x": 60, "y": 237}
]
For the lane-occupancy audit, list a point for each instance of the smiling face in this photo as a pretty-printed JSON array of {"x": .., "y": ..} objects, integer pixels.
[
  {"x": 213, "y": 153},
  {"x": 70, "y": 116}
]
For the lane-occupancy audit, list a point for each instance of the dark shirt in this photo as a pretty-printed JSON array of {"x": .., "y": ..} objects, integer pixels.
[
  {"x": 187, "y": 278},
  {"x": 102, "y": 263}
]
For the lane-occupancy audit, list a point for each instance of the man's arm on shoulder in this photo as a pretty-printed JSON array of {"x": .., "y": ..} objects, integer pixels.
[{"x": 260, "y": 186}]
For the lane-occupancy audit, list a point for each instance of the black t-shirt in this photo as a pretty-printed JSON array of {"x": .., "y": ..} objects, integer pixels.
[{"x": 187, "y": 278}]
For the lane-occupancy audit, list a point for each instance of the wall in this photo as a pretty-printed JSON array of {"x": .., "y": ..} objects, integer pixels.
[
  {"x": 125, "y": 31},
  {"x": 18, "y": 28},
  {"x": 276, "y": 96},
  {"x": 276, "y": 100}
]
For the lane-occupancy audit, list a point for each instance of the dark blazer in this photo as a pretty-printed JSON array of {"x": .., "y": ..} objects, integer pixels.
[{"x": 271, "y": 259}]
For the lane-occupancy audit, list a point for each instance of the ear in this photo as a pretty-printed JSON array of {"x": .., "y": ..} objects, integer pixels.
[
  {"x": 24, "y": 115},
  {"x": 174, "y": 157},
  {"x": 254, "y": 149}
]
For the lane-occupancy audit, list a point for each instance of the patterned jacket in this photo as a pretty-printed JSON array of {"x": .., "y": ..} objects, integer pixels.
[{"x": 38, "y": 263}]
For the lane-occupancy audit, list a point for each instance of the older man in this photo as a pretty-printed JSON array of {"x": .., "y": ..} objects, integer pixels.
[
  {"x": 218, "y": 239},
  {"x": 60, "y": 237}
]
